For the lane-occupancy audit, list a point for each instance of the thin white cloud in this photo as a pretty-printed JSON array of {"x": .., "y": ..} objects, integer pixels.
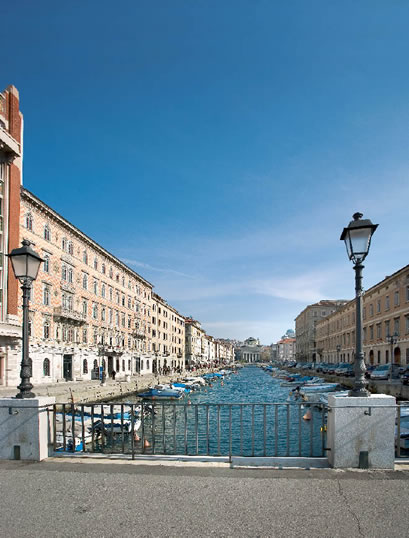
[{"x": 149, "y": 267}]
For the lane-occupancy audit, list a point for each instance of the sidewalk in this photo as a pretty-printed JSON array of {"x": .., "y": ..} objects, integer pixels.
[{"x": 64, "y": 499}]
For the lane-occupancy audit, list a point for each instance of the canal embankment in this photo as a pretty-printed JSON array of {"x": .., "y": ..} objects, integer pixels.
[
  {"x": 79, "y": 392},
  {"x": 396, "y": 389}
]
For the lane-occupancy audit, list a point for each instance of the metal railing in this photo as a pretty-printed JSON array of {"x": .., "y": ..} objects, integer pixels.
[
  {"x": 402, "y": 430},
  {"x": 221, "y": 429}
]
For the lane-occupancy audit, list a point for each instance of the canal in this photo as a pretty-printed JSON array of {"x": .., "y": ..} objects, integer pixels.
[{"x": 245, "y": 414}]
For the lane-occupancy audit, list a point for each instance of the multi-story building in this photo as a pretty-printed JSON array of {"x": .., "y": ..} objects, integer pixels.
[
  {"x": 286, "y": 348},
  {"x": 11, "y": 163},
  {"x": 88, "y": 310},
  {"x": 194, "y": 346},
  {"x": 168, "y": 336},
  {"x": 305, "y": 327},
  {"x": 385, "y": 313}
]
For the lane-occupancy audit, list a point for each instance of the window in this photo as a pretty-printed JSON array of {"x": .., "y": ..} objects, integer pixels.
[
  {"x": 387, "y": 356},
  {"x": 379, "y": 357},
  {"x": 371, "y": 309},
  {"x": 396, "y": 298},
  {"x": 64, "y": 272},
  {"x": 123, "y": 300},
  {"x": 84, "y": 308},
  {"x": 407, "y": 293},
  {"x": 70, "y": 248},
  {"x": 396, "y": 324},
  {"x": 110, "y": 316},
  {"x": 371, "y": 332},
  {"x": 85, "y": 256},
  {"x": 46, "y": 295},
  {"x": 85, "y": 281},
  {"x": 378, "y": 306},
  {"x": 84, "y": 336},
  {"x": 123, "y": 320},
  {"x": 85, "y": 366},
  {"x": 95, "y": 263},
  {"x": 406, "y": 324},
  {"x": 29, "y": 221},
  {"x": 103, "y": 290},
  {"x": 103, "y": 269},
  {"x": 110, "y": 294},
  {"x": 95, "y": 311},
  {"x": 46, "y": 367},
  {"x": 387, "y": 303},
  {"x": 96, "y": 287},
  {"x": 123, "y": 281},
  {"x": 64, "y": 243},
  {"x": 364, "y": 313},
  {"x": 103, "y": 314},
  {"x": 95, "y": 336},
  {"x": 407, "y": 356},
  {"x": 70, "y": 275},
  {"x": 378, "y": 330},
  {"x": 129, "y": 302},
  {"x": 46, "y": 330},
  {"x": 111, "y": 272},
  {"x": 387, "y": 328},
  {"x": 47, "y": 233},
  {"x": 46, "y": 264}
]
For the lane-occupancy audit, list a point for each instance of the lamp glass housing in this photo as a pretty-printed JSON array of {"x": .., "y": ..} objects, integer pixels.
[{"x": 25, "y": 261}]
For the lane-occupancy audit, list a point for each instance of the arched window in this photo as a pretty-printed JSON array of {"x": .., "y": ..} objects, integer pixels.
[
  {"x": 46, "y": 368},
  {"x": 29, "y": 221},
  {"x": 47, "y": 233},
  {"x": 95, "y": 364},
  {"x": 85, "y": 366}
]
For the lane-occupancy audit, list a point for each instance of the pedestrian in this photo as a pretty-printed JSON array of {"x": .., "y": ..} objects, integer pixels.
[{"x": 113, "y": 373}]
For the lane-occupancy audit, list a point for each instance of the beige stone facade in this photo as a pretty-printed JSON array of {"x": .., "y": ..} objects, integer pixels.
[
  {"x": 305, "y": 327},
  {"x": 87, "y": 308},
  {"x": 168, "y": 336},
  {"x": 385, "y": 312}
]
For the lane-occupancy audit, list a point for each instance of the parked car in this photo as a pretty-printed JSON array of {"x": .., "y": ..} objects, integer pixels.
[
  {"x": 332, "y": 367},
  {"x": 384, "y": 370},
  {"x": 369, "y": 369},
  {"x": 405, "y": 377}
]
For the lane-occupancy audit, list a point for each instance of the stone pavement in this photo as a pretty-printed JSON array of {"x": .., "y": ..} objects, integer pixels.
[{"x": 87, "y": 498}]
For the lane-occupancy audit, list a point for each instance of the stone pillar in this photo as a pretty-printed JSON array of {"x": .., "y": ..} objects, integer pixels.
[
  {"x": 25, "y": 431},
  {"x": 361, "y": 431}
]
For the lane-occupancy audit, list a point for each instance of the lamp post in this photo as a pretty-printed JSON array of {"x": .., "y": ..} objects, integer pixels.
[
  {"x": 26, "y": 263},
  {"x": 357, "y": 237},
  {"x": 392, "y": 339}
]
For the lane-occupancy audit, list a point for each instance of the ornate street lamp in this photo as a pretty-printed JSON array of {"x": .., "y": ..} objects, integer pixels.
[
  {"x": 357, "y": 237},
  {"x": 392, "y": 339},
  {"x": 26, "y": 263}
]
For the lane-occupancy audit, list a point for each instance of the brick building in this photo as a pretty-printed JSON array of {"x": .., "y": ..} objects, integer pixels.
[
  {"x": 88, "y": 309},
  {"x": 11, "y": 164}
]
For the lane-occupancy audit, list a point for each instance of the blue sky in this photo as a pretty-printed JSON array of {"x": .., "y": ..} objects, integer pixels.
[{"x": 219, "y": 147}]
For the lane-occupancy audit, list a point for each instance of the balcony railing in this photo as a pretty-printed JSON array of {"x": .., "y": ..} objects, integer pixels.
[{"x": 70, "y": 315}]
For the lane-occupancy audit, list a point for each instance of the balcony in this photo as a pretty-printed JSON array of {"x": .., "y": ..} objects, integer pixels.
[{"x": 72, "y": 316}]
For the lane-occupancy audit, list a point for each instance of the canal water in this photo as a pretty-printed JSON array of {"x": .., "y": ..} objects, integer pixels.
[{"x": 245, "y": 414}]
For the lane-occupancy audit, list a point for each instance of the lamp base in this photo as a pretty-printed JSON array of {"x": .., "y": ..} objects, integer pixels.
[{"x": 359, "y": 393}]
